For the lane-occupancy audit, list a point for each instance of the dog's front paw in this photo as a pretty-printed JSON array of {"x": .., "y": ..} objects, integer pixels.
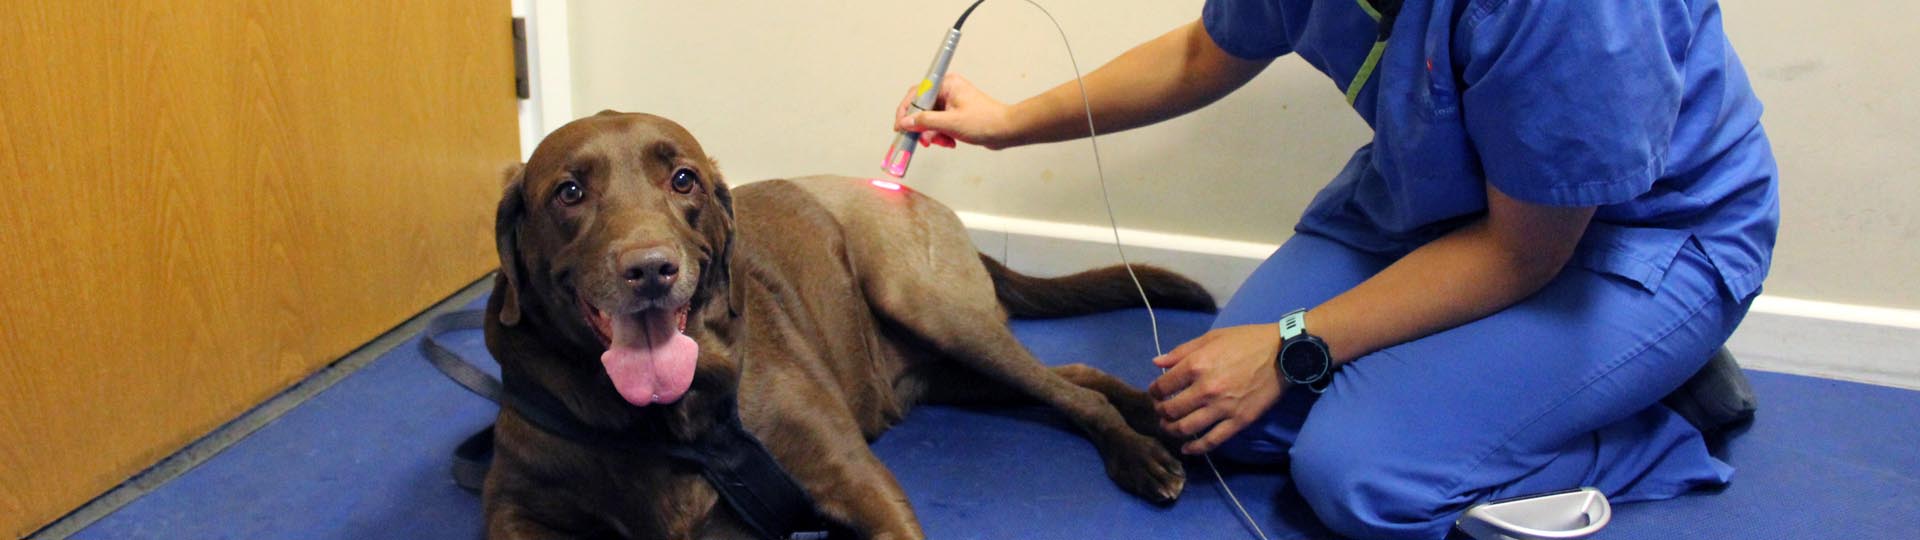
[{"x": 1143, "y": 467}]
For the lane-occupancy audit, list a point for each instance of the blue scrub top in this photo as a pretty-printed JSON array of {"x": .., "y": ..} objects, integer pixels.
[{"x": 1638, "y": 107}]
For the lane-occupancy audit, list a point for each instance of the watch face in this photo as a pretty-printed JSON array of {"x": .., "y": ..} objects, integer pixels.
[{"x": 1303, "y": 361}]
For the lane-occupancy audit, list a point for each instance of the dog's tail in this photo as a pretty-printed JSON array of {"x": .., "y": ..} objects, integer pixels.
[{"x": 1100, "y": 289}]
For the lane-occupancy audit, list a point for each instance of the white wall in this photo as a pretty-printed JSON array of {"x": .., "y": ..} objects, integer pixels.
[
  {"x": 1840, "y": 87},
  {"x": 549, "y": 104},
  {"x": 791, "y": 88}
]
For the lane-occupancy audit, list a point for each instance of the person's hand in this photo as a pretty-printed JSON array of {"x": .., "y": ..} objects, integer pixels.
[
  {"x": 1217, "y": 384},
  {"x": 962, "y": 113}
]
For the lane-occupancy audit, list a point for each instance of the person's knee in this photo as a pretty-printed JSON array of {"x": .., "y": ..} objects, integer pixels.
[
  {"x": 1266, "y": 441},
  {"x": 1359, "y": 491},
  {"x": 1251, "y": 448}
]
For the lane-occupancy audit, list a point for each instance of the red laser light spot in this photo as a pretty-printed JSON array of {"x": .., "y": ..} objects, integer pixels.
[{"x": 883, "y": 184}]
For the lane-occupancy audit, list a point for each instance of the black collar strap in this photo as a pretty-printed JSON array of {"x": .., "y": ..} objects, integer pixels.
[{"x": 732, "y": 460}]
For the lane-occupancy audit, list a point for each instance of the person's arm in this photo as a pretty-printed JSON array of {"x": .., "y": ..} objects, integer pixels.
[
  {"x": 1480, "y": 269},
  {"x": 1228, "y": 375},
  {"x": 1171, "y": 75}
]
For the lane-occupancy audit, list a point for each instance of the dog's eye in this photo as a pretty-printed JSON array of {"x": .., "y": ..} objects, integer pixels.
[
  {"x": 684, "y": 180},
  {"x": 569, "y": 193}
]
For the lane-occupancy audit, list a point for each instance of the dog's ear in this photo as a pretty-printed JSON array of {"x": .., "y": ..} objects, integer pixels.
[
  {"x": 725, "y": 197},
  {"x": 723, "y": 261},
  {"x": 506, "y": 234}
]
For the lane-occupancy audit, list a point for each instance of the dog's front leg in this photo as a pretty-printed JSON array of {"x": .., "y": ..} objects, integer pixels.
[
  {"x": 871, "y": 499},
  {"x": 829, "y": 457},
  {"x": 509, "y": 520}
]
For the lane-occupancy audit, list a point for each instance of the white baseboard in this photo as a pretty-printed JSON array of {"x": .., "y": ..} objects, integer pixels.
[{"x": 1839, "y": 341}]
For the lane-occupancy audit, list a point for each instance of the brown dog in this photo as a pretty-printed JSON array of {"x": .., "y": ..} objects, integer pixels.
[{"x": 646, "y": 295}]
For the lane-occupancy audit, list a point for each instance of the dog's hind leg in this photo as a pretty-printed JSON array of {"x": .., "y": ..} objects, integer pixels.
[
  {"x": 1133, "y": 403},
  {"x": 913, "y": 259},
  {"x": 954, "y": 384},
  {"x": 963, "y": 321}
]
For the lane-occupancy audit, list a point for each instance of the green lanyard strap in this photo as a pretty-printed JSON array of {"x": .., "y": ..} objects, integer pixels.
[{"x": 1383, "y": 12}]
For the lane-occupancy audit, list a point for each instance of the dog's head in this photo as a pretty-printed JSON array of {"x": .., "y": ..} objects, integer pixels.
[{"x": 614, "y": 235}]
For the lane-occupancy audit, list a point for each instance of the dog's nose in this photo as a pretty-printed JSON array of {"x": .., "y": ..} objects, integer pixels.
[{"x": 650, "y": 271}]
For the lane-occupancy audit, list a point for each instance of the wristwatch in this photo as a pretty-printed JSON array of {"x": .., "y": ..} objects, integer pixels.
[{"x": 1304, "y": 359}]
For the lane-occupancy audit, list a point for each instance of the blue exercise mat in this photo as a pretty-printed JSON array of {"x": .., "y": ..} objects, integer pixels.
[{"x": 368, "y": 459}]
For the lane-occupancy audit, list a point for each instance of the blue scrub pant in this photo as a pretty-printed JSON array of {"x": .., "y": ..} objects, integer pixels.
[{"x": 1558, "y": 391}]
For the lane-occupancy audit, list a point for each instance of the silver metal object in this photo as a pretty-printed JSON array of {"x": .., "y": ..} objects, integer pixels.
[{"x": 1564, "y": 515}]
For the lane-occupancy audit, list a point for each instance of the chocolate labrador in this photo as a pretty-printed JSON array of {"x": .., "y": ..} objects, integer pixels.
[{"x": 648, "y": 297}]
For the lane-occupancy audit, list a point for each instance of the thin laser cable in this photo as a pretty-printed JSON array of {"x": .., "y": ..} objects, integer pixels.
[{"x": 1093, "y": 138}]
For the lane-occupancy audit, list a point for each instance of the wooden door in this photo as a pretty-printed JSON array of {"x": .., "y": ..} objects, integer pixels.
[{"x": 202, "y": 202}]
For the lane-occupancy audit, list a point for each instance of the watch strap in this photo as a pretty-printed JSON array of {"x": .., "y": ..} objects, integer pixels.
[
  {"x": 1293, "y": 325},
  {"x": 1320, "y": 386}
]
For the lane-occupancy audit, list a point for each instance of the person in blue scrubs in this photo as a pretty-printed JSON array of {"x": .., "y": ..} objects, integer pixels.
[{"x": 1565, "y": 209}]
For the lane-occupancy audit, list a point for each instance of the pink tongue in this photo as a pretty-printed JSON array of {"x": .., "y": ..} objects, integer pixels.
[{"x": 650, "y": 361}]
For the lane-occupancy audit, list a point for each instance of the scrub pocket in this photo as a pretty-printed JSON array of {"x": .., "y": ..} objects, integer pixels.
[
  {"x": 1427, "y": 165},
  {"x": 1637, "y": 254}
]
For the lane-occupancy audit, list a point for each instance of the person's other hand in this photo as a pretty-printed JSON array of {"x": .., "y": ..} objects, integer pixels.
[
  {"x": 962, "y": 113},
  {"x": 1217, "y": 384}
]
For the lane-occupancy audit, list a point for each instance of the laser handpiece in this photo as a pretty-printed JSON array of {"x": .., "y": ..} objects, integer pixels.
[{"x": 925, "y": 96}]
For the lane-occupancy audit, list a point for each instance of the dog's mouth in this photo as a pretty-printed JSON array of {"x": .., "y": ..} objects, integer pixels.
[{"x": 649, "y": 357}]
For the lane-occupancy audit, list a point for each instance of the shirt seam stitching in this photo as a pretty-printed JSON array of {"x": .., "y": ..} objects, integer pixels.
[{"x": 1479, "y": 11}]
